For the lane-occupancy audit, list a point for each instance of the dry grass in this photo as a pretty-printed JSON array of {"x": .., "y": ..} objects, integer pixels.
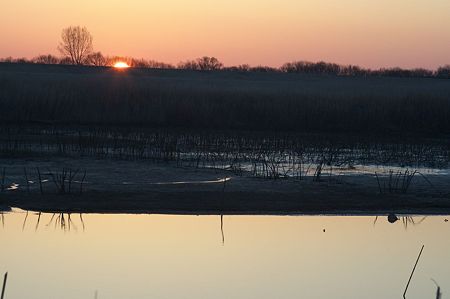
[{"x": 223, "y": 100}]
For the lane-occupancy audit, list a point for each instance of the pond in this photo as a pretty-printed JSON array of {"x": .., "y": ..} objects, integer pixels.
[{"x": 188, "y": 256}]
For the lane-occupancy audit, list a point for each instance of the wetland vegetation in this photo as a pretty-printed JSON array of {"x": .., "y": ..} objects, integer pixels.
[{"x": 365, "y": 136}]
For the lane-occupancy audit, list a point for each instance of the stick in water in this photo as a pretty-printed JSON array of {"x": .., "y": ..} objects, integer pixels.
[
  {"x": 4, "y": 285},
  {"x": 412, "y": 273}
]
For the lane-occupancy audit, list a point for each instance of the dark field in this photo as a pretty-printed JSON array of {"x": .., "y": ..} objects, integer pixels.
[{"x": 73, "y": 95}]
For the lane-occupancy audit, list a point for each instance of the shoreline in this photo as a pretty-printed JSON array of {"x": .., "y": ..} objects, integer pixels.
[{"x": 231, "y": 203}]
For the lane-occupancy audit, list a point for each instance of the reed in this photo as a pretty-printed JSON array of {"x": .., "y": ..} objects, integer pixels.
[
  {"x": 396, "y": 182},
  {"x": 5, "y": 278},
  {"x": 64, "y": 179},
  {"x": 27, "y": 182},
  {"x": 40, "y": 180}
]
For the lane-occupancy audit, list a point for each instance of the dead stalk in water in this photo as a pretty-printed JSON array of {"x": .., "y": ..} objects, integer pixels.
[
  {"x": 40, "y": 180},
  {"x": 26, "y": 179},
  {"x": 5, "y": 278},
  {"x": 438, "y": 289},
  {"x": 82, "y": 181},
  {"x": 412, "y": 272}
]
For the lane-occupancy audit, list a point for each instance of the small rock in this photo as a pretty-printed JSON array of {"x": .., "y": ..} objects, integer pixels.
[{"x": 392, "y": 218}]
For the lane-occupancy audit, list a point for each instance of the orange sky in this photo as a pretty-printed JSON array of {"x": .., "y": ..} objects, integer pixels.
[{"x": 370, "y": 33}]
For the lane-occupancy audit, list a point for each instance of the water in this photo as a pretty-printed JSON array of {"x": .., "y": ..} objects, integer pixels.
[{"x": 167, "y": 256}]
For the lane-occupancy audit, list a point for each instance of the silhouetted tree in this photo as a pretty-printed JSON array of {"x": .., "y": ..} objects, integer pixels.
[
  {"x": 420, "y": 72},
  {"x": 76, "y": 44},
  {"x": 46, "y": 59},
  {"x": 111, "y": 60},
  {"x": 8, "y": 59},
  {"x": 139, "y": 63},
  {"x": 96, "y": 59},
  {"x": 15, "y": 60},
  {"x": 311, "y": 67},
  {"x": 263, "y": 69},
  {"x": 66, "y": 61},
  {"x": 206, "y": 63},
  {"x": 188, "y": 65},
  {"x": 443, "y": 71},
  {"x": 159, "y": 65},
  {"x": 238, "y": 68},
  {"x": 353, "y": 70},
  {"x": 22, "y": 60}
]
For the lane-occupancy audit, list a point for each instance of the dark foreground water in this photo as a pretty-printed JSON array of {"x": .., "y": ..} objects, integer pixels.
[{"x": 190, "y": 257}]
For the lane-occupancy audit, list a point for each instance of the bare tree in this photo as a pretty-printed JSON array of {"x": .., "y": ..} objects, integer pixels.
[
  {"x": 66, "y": 61},
  {"x": 46, "y": 59},
  {"x": 443, "y": 71},
  {"x": 188, "y": 65},
  {"x": 97, "y": 59},
  {"x": 206, "y": 63},
  {"x": 76, "y": 44}
]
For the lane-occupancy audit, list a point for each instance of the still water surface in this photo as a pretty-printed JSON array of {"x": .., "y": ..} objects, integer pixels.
[{"x": 187, "y": 257}]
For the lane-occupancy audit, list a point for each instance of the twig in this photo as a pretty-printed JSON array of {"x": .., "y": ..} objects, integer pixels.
[{"x": 412, "y": 272}]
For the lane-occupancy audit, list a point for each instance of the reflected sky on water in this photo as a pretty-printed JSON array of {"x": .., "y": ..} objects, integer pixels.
[{"x": 174, "y": 256}]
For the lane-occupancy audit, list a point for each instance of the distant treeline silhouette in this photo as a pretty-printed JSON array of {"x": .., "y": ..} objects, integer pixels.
[{"x": 207, "y": 63}]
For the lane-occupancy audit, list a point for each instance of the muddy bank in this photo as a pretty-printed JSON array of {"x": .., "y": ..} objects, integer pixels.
[
  {"x": 204, "y": 202},
  {"x": 109, "y": 186}
]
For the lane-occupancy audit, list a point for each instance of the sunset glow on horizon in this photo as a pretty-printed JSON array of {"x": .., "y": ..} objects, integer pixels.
[
  {"x": 404, "y": 33},
  {"x": 121, "y": 65}
]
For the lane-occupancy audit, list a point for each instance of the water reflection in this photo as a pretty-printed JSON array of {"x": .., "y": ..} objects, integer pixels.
[
  {"x": 221, "y": 229},
  {"x": 60, "y": 221},
  {"x": 438, "y": 289},
  {"x": 265, "y": 257},
  {"x": 25, "y": 221},
  {"x": 406, "y": 220},
  {"x": 66, "y": 222}
]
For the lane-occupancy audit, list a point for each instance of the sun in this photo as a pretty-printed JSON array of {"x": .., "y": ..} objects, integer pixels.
[{"x": 121, "y": 65}]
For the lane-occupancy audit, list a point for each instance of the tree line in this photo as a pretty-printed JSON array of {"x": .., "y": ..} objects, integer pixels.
[
  {"x": 211, "y": 63},
  {"x": 76, "y": 48}
]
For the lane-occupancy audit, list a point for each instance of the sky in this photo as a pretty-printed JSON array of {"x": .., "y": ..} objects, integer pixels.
[{"x": 369, "y": 33}]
